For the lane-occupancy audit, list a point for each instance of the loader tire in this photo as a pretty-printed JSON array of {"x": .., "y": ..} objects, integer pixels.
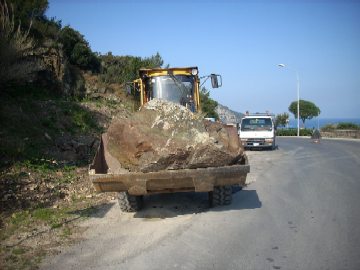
[
  {"x": 220, "y": 196},
  {"x": 129, "y": 203}
]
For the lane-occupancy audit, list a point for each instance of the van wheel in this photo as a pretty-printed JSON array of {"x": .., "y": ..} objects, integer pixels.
[
  {"x": 220, "y": 196},
  {"x": 129, "y": 203}
]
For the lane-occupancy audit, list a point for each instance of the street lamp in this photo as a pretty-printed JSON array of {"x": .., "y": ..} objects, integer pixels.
[{"x": 298, "y": 97}]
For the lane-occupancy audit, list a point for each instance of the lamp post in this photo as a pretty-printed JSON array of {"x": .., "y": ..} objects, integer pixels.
[{"x": 298, "y": 97}]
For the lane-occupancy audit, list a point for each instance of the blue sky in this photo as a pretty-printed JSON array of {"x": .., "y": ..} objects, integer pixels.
[{"x": 241, "y": 40}]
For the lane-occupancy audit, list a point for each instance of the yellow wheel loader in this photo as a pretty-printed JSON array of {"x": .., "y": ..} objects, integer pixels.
[{"x": 182, "y": 86}]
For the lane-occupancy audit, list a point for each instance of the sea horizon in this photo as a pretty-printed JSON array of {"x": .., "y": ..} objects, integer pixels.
[{"x": 321, "y": 122}]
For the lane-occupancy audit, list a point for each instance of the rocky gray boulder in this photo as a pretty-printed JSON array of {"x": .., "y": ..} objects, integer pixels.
[{"x": 167, "y": 136}]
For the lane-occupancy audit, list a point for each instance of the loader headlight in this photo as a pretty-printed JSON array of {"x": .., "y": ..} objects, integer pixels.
[{"x": 194, "y": 71}]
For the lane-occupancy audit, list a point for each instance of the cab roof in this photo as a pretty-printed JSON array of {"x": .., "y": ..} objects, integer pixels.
[
  {"x": 165, "y": 71},
  {"x": 258, "y": 116}
]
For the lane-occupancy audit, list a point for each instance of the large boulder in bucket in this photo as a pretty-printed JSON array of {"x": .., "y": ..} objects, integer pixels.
[{"x": 167, "y": 136}]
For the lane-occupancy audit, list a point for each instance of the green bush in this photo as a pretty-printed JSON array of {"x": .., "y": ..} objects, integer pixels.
[
  {"x": 208, "y": 105},
  {"x": 84, "y": 58},
  {"x": 348, "y": 125},
  {"x": 293, "y": 132},
  {"x": 27, "y": 10},
  {"x": 15, "y": 46},
  {"x": 329, "y": 127},
  {"x": 77, "y": 49},
  {"x": 46, "y": 29},
  {"x": 122, "y": 69},
  {"x": 342, "y": 126}
]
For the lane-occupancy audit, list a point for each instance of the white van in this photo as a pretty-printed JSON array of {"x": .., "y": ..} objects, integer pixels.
[{"x": 257, "y": 131}]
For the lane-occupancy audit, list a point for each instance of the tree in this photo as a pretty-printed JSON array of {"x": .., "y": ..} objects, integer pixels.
[
  {"x": 208, "y": 105},
  {"x": 15, "y": 46},
  {"x": 122, "y": 69},
  {"x": 308, "y": 110},
  {"x": 69, "y": 38},
  {"x": 32, "y": 12},
  {"x": 28, "y": 10},
  {"x": 155, "y": 61},
  {"x": 281, "y": 119},
  {"x": 83, "y": 57},
  {"x": 77, "y": 49}
]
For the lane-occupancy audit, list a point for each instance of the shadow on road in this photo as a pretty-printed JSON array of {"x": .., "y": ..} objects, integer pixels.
[
  {"x": 98, "y": 211},
  {"x": 261, "y": 149},
  {"x": 164, "y": 206},
  {"x": 245, "y": 199}
]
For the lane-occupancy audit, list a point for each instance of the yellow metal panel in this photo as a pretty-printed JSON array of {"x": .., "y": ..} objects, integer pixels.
[
  {"x": 197, "y": 95},
  {"x": 163, "y": 71},
  {"x": 141, "y": 86}
]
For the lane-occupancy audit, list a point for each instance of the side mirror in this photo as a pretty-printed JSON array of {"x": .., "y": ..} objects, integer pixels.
[{"x": 215, "y": 80}]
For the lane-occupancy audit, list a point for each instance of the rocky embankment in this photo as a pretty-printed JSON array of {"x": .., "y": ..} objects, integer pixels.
[
  {"x": 228, "y": 116},
  {"x": 350, "y": 134}
]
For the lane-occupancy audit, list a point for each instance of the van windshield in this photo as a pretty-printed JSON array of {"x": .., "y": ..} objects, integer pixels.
[{"x": 256, "y": 124}]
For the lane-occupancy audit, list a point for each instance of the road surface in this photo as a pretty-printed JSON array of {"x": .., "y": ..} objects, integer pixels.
[{"x": 301, "y": 212}]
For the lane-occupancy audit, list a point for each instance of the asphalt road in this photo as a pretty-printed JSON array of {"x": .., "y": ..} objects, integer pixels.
[{"x": 302, "y": 212}]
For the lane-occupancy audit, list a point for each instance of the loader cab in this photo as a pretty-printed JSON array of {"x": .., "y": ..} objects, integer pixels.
[
  {"x": 178, "y": 85},
  {"x": 176, "y": 88}
]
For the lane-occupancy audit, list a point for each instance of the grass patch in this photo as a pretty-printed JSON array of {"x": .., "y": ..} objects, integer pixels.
[
  {"x": 16, "y": 223},
  {"x": 66, "y": 232},
  {"x": 45, "y": 214},
  {"x": 45, "y": 168},
  {"x": 18, "y": 251},
  {"x": 30, "y": 91},
  {"x": 54, "y": 218},
  {"x": 22, "y": 258},
  {"x": 20, "y": 218},
  {"x": 78, "y": 119},
  {"x": 51, "y": 218},
  {"x": 41, "y": 166},
  {"x": 36, "y": 126},
  {"x": 31, "y": 124}
]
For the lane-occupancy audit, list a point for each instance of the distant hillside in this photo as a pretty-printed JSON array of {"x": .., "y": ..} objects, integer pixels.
[{"x": 228, "y": 116}]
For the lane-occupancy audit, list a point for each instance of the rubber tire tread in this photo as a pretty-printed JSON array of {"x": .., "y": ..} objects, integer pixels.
[
  {"x": 129, "y": 203},
  {"x": 221, "y": 195}
]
